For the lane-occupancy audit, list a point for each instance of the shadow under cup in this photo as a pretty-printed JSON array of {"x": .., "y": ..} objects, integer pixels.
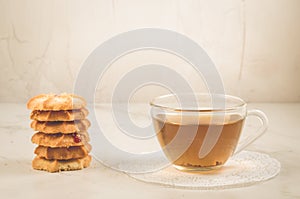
[{"x": 198, "y": 132}]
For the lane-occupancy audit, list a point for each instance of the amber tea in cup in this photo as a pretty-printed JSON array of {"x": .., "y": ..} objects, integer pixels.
[{"x": 201, "y": 131}]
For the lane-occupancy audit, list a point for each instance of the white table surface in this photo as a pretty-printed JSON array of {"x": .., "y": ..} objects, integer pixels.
[{"x": 19, "y": 180}]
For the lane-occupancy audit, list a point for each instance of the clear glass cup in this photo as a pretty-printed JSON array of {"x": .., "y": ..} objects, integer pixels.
[{"x": 199, "y": 132}]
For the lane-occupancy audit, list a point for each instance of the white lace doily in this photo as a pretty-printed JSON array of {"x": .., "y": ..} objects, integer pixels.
[{"x": 243, "y": 169}]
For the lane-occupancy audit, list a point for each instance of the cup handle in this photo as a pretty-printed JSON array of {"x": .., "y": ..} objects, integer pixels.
[{"x": 251, "y": 138}]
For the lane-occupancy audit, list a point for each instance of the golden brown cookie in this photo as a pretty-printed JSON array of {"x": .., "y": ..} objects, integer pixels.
[
  {"x": 62, "y": 153},
  {"x": 66, "y": 115},
  {"x": 54, "y": 102},
  {"x": 60, "y": 139},
  {"x": 60, "y": 126},
  {"x": 61, "y": 165}
]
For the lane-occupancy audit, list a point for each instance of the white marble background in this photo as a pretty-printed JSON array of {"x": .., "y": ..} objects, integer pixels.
[{"x": 254, "y": 43}]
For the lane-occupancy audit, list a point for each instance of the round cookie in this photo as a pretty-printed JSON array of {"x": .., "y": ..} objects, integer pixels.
[
  {"x": 55, "y": 102},
  {"x": 61, "y": 165},
  {"x": 60, "y": 139},
  {"x": 62, "y": 153},
  {"x": 60, "y": 126},
  {"x": 63, "y": 115}
]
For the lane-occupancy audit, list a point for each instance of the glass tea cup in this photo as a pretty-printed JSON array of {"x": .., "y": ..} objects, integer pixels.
[{"x": 200, "y": 132}]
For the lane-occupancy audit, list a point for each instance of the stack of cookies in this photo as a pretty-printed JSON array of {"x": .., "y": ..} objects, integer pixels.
[{"x": 61, "y": 132}]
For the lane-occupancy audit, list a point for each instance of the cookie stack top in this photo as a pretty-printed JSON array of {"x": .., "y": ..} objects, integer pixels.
[
  {"x": 61, "y": 125},
  {"x": 53, "y": 102}
]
